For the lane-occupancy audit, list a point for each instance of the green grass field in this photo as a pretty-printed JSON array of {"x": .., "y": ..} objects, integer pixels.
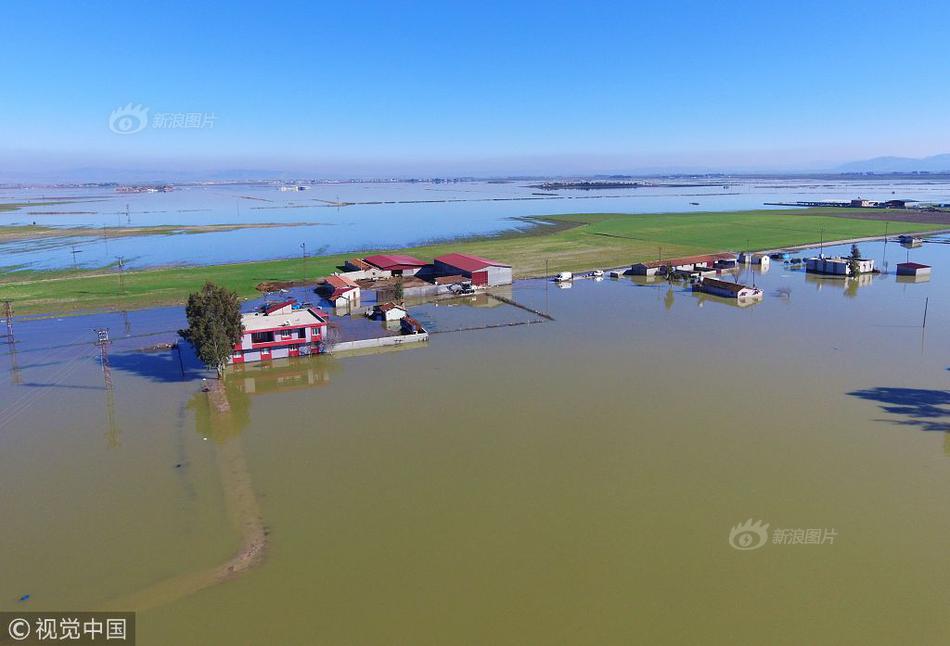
[
  {"x": 579, "y": 242},
  {"x": 13, "y": 206}
]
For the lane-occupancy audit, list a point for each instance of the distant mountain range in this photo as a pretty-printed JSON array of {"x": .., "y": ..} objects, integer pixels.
[{"x": 934, "y": 164}]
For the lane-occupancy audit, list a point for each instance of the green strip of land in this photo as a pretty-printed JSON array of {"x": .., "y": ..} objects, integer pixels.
[
  {"x": 27, "y": 232},
  {"x": 572, "y": 242},
  {"x": 13, "y": 206}
]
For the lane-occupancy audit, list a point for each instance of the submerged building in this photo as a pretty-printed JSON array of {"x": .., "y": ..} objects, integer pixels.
[
  {"x": 725, "y": 289},
  {"x": 481, "y": 271},
  {"x": 837, "y": 266},
  {"x": 341, "y": 291},
  {"x": 688, "y": 263},
  {"x": 913, "y": 269},
  {"x": 395, "y": 264},
  {"x": 388, "y": 312},
  {"x": 277, "y": 331},
  {"x": 761, "y": 259}
]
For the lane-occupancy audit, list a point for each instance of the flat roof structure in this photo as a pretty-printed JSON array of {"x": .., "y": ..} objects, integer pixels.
[{"x": 260, "y": 322}]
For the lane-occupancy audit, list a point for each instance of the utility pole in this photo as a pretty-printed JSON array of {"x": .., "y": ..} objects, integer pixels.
[
  {"x": 303, "y": 246},
  {"x": 884, "y": 259},
  {"x": 547, "y": 282},
  {"x": 128, "y": 216},
  {"x": 8, "y": 316},
  {"x": 15, "y": 378},
  {"x": 121, "y": 278},
  {"x": 103, "y": 341},
  {"x": 74, "y": 252},
  {"x": 11, "y": 343}
]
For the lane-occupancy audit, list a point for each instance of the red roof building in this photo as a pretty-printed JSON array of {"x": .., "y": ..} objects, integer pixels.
[
  {"x": 468, "y": 262},
  {"x": 279, "y": 333},
  {"x": 271, "y": 308},
  {"x": 482, "y": 271},
  {"x": 395, "y": 262},
  {"x": 339, "y": 285}
]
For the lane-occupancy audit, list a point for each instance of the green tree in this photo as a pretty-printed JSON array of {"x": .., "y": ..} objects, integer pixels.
[
  {"x": 853, "y": 266},
  {"x": 214, "y": 325}
]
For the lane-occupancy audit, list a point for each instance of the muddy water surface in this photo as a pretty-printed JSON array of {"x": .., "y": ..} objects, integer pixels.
[{"x": 571, "y": 482}]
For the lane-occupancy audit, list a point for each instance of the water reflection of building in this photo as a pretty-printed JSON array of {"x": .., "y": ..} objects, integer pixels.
[
  {"x": 702, "y": 298},
  {"x": 481, "y": 299},
  {"x": 925, "y": 278},
  {"x": 286, "y": 374},
  {"x": 252, "y": 380},
  {"x": 851, "y": 283}
]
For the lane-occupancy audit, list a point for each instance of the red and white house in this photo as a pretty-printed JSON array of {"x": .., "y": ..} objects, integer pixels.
[
  {"x": 279, "y": 331},
  {"x": 341, "y": 291}
]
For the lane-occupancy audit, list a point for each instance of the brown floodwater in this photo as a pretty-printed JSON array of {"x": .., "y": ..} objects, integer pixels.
[{"x": 568, "y": 482}]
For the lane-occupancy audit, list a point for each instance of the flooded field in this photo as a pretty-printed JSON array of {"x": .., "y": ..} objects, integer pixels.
[
  {"x": 376, "y": 215},
  {"x": 571, "y": 481}
]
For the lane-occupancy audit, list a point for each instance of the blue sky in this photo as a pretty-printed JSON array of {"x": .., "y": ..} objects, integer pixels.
[{"x": 369, "y": 88}]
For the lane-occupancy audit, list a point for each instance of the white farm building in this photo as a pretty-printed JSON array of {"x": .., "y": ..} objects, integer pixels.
[{"x": 837, "y": 266}]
